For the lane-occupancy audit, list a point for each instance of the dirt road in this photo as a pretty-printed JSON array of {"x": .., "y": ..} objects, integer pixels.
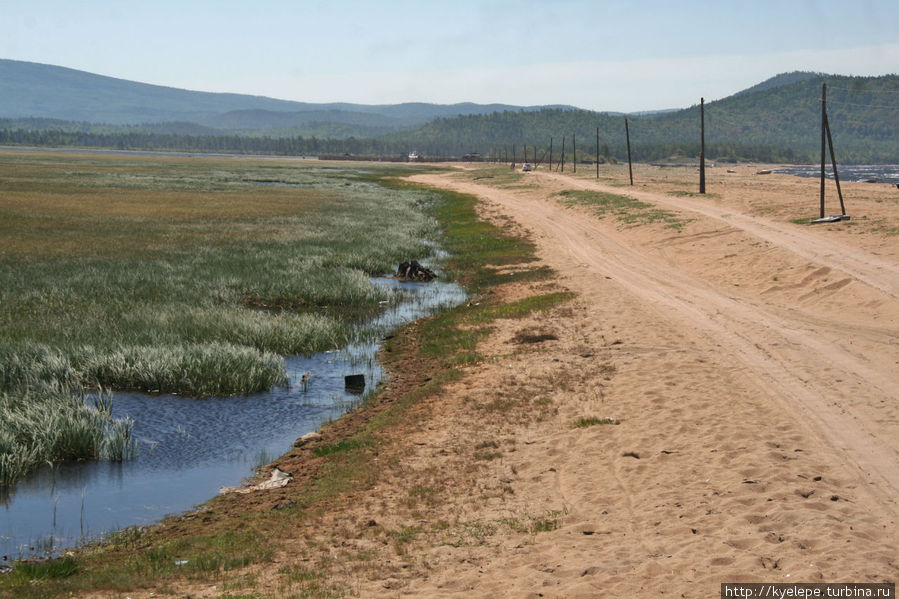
[
  {"x": 842, "y": 377},
  {"x": 755, "y": 374}
]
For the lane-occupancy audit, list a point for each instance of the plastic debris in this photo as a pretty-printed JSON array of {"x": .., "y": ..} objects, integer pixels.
[{"x": 278, "y": 479}]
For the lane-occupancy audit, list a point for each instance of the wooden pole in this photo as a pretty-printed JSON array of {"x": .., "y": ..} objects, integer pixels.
[
  {"x": 630, "y": 168},
  {"x": 597, "y": 152},
  {"x": 550, "y": 154},
  {"x": 574, "y": 151},
  {"x": 833, "y": 160},
  {"x": 513, "y": 156},
  {"x": 562, "y": 159},
  {"x": 702, "y": 145},
  {"x": 823, "y": 139}
]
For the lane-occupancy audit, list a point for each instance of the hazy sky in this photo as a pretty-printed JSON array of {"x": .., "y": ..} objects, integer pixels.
[{"x": 600, "y": 55}]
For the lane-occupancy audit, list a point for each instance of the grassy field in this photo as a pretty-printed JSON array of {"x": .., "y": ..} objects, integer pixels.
[{"x": 178, "y": 274}]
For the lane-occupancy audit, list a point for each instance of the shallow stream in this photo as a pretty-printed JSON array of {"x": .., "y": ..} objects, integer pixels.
[{"x": 189, "y": 448}]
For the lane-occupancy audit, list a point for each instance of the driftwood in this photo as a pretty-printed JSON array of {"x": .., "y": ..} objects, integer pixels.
[{"x": 413, "y": 271}]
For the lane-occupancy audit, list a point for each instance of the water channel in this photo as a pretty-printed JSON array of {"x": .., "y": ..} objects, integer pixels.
[{"x": 189, "y": 448}]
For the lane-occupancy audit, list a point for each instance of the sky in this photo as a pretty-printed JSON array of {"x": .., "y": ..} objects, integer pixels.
[{"x": 604, "y": 55}]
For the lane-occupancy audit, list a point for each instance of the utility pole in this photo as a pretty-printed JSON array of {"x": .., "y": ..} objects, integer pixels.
[
  {"x": 702, "y": 145},
  {"x": 833, "y": 160},
  {"x": 825, "y": 130},
  {"x": 562, "y": 160},
  {"x": 550, "y": 153},
  {"x": 823, "y": 140},
  {"x": 627, "y": 135}
]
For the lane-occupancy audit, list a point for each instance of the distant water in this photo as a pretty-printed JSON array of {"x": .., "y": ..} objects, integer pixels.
[
  {"x": 188, "y": 448},
  {"x": 866, "y": 173}
]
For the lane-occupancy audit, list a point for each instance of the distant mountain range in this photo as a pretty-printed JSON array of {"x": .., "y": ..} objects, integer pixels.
[
  {"x": 33, "y": 90},
  {"x": 777, "y": 120}
]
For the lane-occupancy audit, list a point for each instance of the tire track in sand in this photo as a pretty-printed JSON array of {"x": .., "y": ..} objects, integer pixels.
[
  {"x": 858, "y": 264},
  {"x": 813, "y": 379}
]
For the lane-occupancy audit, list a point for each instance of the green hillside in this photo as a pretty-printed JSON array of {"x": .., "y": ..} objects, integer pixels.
[{"x": 779, "y": 122}]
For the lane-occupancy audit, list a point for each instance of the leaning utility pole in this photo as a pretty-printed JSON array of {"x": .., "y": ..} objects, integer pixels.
[{"x": 825, "y": 135}]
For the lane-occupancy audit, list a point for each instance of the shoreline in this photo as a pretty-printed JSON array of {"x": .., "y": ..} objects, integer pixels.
[{"x": 645, "y": 436}]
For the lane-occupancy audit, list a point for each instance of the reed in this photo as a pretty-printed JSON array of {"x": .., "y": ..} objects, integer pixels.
[
  {"x": 178, "y": 275},
  {"x": 40, "y": 426}
]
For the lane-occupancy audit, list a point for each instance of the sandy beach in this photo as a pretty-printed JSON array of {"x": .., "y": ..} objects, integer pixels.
[
  {"x": 736, "y": 381},
  {"x": 753, "y": 365}
]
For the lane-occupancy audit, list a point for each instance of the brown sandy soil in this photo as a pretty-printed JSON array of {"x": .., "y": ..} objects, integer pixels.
[{"x": 749, "y": 366}]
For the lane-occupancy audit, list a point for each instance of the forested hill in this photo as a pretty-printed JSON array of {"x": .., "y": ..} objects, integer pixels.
[{"x": 777, "y": 122}]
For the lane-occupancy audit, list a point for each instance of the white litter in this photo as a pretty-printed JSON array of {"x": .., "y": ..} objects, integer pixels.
[{"x": 278, "y": 479}]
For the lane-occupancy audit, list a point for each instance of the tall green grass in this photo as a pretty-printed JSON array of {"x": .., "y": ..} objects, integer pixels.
[
  {"x": 180, "y": 275},
  {"x": 44, "y": 425}
]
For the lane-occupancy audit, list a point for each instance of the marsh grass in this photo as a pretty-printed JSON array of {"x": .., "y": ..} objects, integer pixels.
[
  {"x": 44, "y": 425},
  {"x": 437, "y": 344},
  {"x": 179, "y": 275},
  {"x": 625, "y": 209}
]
